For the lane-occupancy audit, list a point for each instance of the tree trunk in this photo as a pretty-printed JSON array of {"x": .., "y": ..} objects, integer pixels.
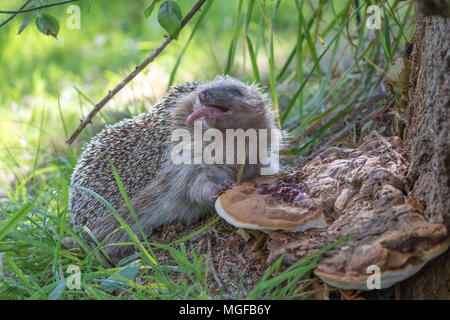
[{"x": 428, "y": 137}]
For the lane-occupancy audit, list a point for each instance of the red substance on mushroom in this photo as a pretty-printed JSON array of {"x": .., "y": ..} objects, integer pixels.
[{"x": 288, "y": 189}]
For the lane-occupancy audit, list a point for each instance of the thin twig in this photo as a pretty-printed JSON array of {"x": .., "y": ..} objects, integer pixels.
[
  {"x": 48, "y": 5},
  {"x": 133, "y": 74},
  {"x": 14, "y": 14}
]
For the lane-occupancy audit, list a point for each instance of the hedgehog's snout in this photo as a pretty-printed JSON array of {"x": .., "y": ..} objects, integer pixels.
[{"x": 214, "y": 98}]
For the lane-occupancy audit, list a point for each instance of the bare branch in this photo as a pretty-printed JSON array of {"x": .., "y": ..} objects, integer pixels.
[
  {"x": 48, "y": 5},
  {"x": 14, "y": 14},
  {"x": 133, "y": 74}
]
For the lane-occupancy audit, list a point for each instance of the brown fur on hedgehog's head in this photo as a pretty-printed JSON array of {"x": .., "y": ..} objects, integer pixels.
[{"x": 227, "y": 103}]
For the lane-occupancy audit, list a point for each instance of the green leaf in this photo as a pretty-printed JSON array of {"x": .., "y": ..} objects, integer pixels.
[
  {"x": 128, "y": 272},
  {"x": 169, "y": 17},
  {"x": 48, "y": 25},
  {"x": 148, "y": 11},
  {"x": 58, "y": 291}
]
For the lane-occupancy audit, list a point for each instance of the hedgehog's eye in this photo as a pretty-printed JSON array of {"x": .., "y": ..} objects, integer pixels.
[{"x": 236, "y": 91}]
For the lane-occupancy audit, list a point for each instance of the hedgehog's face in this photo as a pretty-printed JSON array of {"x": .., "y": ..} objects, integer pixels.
[{"x": 226, "y": 103}]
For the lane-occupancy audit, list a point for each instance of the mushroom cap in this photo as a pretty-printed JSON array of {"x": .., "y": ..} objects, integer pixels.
[
  {"x": 387, "y": 277},
  {"x": 244, "y": 206}
]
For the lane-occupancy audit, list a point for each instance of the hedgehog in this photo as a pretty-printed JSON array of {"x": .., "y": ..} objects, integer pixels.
[{"x": 160, "y": 191}]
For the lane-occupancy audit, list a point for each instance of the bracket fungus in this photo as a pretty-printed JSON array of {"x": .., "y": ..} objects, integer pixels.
[
  {"x": 273, "y": 203},
  {"x": 356, "y": 193}
]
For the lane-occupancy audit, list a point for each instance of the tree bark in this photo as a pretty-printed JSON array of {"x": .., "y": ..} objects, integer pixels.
[{"x": 428, "y": 137}]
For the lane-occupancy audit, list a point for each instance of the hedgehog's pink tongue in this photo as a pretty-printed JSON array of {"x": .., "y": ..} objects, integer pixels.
[{"x": 205, "y": 111}]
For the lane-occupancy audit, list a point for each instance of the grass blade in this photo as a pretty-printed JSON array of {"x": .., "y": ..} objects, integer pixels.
[{"x": 16, "y": 217}]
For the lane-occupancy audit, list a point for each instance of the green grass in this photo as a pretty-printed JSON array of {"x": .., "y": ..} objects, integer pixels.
[{"x": 317, "y": 63}]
